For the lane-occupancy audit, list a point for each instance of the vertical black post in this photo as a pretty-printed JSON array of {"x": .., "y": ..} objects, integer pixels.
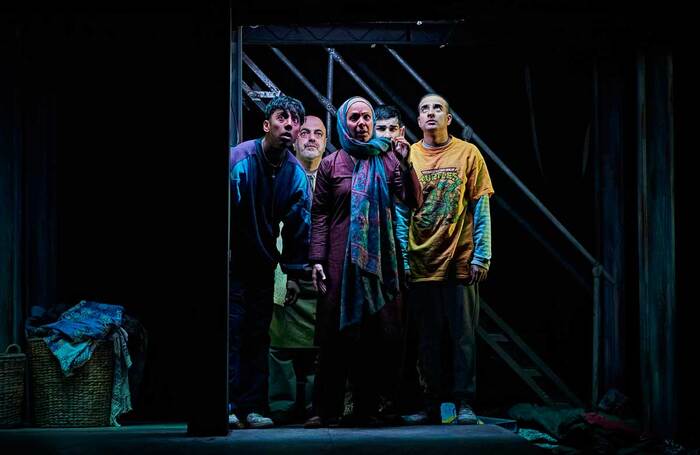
[
  {"x": 208, "y": 343},
  {"x": 611, "y": 221},
  {"x": 595, "y": 358},
  {"x": 329, "y": 95},
  {"x": 236, "y": 115},
  {"x": 656, "y": 241},
  {"x": 10, "y": 186}
]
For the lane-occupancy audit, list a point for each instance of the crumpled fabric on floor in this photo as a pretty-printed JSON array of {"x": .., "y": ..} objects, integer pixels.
[
  {"x": 555, "y": 421},
  {"x": 577, "y": 431},
  {"x": 609, "y": 422}
]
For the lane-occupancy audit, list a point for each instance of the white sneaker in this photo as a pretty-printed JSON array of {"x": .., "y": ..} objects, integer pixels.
[
  {"x": 466, "y": 416},
  {"x": 255, "y": 420},
  {"x": 421, "y": 418},
  {"x": 233, "y": 421}
]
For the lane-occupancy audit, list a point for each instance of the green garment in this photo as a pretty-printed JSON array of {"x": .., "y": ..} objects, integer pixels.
[
  {"x": 284, "y": 384},
  {"x": 293, "y": 326}
]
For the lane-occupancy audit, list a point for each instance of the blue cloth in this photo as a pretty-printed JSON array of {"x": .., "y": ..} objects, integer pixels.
[
  {"x": 403, "y": 223},
  {"x": 482, "y": 233},
  {"x": 73, "y": 338},
  {"x": 121, "y": 394},
  {"x": 373, "y": 147},
  {"x": 370, "y": 272},
  {"x": 262, "y": 197}
]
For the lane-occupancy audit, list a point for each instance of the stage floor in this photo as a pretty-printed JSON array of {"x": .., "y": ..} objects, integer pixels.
[{"x": 172, "y": 439}]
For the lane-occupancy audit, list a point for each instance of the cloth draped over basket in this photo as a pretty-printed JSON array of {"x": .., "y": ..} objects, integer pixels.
[{"x": 74, "y": 336}]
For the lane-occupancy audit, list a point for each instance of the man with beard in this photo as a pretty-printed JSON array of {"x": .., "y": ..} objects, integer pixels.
[
  {"x": 268, "y": 187},
  {"x": 292, "y": 349}
]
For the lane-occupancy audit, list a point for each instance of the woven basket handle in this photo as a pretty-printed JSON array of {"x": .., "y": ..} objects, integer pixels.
[{"x": 19, "y": 349}]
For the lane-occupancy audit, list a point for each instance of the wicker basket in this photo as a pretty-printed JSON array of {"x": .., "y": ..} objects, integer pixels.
[
  {"x": 12, "y": 367},
  {"x": 81, "y": 400}
]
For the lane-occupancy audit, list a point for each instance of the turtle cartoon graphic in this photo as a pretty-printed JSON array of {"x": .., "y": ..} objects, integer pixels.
[{"x": 440, "y": 203}]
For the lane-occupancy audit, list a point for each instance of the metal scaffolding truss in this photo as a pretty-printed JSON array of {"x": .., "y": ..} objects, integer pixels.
[
  {"x": 496, "y": 333},
  {"x": 394, "y": 33}
]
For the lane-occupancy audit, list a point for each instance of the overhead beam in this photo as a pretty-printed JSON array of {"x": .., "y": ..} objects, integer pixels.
[{"x": 413, "y": 33}]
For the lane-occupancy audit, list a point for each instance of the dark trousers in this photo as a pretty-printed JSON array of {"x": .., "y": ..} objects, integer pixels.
[
  {"x": 409, "y": 389},
  {"x": 367, "y": 356},
  {"x": 250, "y": 313},
  {"x": 292, "y": 374},
  {"x": 446, "y": 315}
]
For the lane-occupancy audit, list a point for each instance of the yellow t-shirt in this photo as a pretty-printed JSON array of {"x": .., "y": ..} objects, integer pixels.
[{"x": 440, "y": 240}]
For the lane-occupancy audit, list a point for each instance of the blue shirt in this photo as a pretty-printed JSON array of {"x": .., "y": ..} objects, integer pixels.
[{"x": 262, "y": 196}]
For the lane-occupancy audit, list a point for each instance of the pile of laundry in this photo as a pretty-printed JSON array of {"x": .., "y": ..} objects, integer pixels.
[
  {"x": 73, "y": 334},
  {"x": 607, "y": 430}
]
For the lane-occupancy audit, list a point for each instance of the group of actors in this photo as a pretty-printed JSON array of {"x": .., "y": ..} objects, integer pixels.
[{"x": 381, "y": 245}]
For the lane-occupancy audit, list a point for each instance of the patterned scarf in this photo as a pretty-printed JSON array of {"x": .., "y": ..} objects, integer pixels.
[{"x": 370, "y": 270}]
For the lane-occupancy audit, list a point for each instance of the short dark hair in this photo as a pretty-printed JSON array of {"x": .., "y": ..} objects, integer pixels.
[
  {"x": 285, "y": 103},
  {"x": 447, "y": 103},
  {"x": 385, "y": 111}
]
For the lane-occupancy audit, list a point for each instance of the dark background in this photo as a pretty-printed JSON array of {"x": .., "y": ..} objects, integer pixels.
[{"x": 129, "y": 103}]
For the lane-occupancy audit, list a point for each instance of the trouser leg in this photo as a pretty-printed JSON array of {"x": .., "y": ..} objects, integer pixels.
[{"x": 463, "y": 318}]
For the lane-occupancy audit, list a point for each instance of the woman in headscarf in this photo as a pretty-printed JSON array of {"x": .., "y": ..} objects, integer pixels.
[{"x": 355, "y": 266}]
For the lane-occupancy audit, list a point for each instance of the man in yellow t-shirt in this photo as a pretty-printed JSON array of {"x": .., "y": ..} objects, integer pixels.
[{"x": 449, "y": 254}]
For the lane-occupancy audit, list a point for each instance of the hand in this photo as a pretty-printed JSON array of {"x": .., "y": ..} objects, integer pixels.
[
  {"x": 401, "y": 148},
  {"x": 406, "y": 278},
  {"x": 478, "y": 274},
  {"x": 318, "y": 278},
  {"x": 293, "y": 291}
]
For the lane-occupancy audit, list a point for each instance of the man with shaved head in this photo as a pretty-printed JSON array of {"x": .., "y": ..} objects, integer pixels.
[
  {"x": 449, "y": 254},
  {"x": 292, "y": 348}
]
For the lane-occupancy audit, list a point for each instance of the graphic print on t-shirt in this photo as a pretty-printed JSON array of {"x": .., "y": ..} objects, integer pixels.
[{"x": 441, "y": 197}]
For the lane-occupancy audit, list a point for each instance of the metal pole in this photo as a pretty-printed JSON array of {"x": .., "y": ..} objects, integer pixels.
[
  {"x": 396, "y": 99},
  {"x": 238, "y": 88},
  {"x": 485, "y": 148},
  {"x": 596, "y": 333},
  {"x": 322, "y": 99},
  {"x": 250, "y": 93},
  {"x": 336, "y": 56},
  {"x": 424, "y": 84},
  {"x": 547, "y": 246},
  {"x": 399, "y": 102},
  {"x": 258, "y": 72},
  {"x": 329, "y": 96},
  {"x": 239, "y": 91}
]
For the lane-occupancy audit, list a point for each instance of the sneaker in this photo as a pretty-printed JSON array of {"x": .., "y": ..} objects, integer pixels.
[
  {"x": 314, "y": 422},
  {"x": 233, "y": 421},
  {"x": 255, "y": 420},
  {"x": 388, "y": 414},
  {"x": 419, "y": 418},
  {"x": 322, "y": 422},
  {"x": 448, "y": 413},
  {"x": 466, "y": 415}
]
